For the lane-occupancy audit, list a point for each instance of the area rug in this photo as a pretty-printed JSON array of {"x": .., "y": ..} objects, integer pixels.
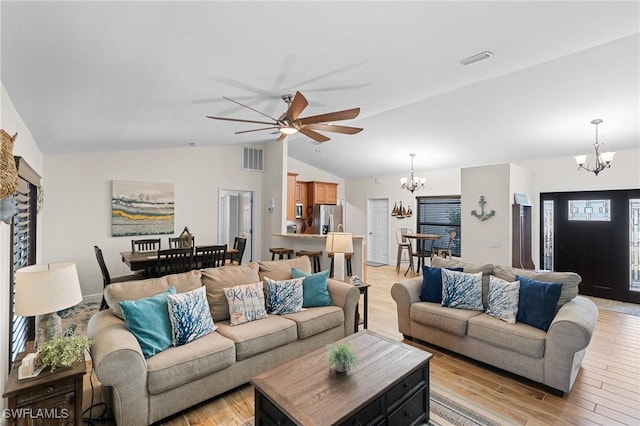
[
  {"x": 615, "y": 306},
  {"x": 76, "y": 318},
  {"x": 376, "y": 264}
]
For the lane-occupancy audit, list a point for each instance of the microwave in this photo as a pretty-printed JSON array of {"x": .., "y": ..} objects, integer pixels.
[{"x": 298, "y": 210}]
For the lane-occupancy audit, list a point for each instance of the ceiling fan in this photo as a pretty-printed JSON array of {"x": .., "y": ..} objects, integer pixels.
[{"x": 290, "y": 122}]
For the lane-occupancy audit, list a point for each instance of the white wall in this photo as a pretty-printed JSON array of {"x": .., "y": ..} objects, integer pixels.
[
  {"x": 77, "y": 207},
  {"x": 24, "y": 146}
]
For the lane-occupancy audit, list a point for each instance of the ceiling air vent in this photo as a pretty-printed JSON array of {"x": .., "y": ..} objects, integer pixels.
[{"x": 252, "y": 159}]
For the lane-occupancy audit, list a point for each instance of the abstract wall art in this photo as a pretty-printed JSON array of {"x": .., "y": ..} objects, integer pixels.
[{"x": 141, "y": 208}]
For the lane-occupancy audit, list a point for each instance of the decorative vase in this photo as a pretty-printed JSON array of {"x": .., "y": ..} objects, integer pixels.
[
  {"x": 341, "y": 368},
  {"x": 8, "y": 170}
]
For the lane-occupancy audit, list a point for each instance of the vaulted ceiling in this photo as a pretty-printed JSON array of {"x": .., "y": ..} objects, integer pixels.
[{"x": 119, "y": 75}]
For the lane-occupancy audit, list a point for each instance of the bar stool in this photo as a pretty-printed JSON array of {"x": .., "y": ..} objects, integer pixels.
[
  {"x": 404, "y": 244},
  {"x": 280, "y": 251},
  {"x": 314, "y": 257},
  {"x": 347, "y": 258}
]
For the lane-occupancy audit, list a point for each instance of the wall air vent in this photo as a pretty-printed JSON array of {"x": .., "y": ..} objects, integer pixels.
[{"x": 252, "y": 159}]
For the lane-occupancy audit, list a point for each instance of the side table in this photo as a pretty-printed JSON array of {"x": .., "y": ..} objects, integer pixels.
[
  {"x": 51, "y": 398},
  {"x": 364, "y": 290}
]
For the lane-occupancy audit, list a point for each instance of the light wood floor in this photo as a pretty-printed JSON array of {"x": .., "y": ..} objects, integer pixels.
[{"x": 607, "y": 390}]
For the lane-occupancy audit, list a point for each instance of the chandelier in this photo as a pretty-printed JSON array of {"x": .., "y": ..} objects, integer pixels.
[
  {"x": 412, "y": 183},
  {"x": 602, "y": 160}
]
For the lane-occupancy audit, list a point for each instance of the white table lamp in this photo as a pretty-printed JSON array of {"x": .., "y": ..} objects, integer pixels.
[
  {"x": 44, "y": 289},
  {"x": 339, "y": 243}
]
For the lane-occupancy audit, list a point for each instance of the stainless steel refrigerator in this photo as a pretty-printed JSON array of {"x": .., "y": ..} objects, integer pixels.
[{"x": 326, "y": 218}]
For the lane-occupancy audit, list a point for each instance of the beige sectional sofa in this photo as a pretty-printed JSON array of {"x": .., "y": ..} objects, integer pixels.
[
  {"x": 552, "y": 357},
  {"x": 143, "y": 391}
]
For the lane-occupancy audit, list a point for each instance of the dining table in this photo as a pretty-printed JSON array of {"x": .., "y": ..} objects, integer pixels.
[
  {"x": 147, "y": 260},
  {"x": 421, "y": 239}
]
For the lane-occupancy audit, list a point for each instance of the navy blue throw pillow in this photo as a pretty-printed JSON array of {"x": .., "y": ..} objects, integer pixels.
[
  {"x": 431, "y": 290},
  {"x": 537, "y": 304}
]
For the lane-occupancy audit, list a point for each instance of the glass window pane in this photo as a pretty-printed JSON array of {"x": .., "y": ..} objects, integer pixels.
[
  {"x": 590, "y": 210},
  {"x": 634, "y": 247},
  {"x": 548, "y": 235}
]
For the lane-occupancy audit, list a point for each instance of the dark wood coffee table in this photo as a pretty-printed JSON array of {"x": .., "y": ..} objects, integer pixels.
[{"x": 388, "y": 385}]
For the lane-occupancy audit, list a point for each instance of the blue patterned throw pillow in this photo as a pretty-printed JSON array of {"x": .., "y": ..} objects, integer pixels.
[
  {"x": 462, "y": 290},
  {"x": 502, "y": 301},
  {"x": 148, "y": 320},
  {"x": 190, "y": 316},
  {"x": 246, "y": 303},
  {"x": 314, "y": 288},
  {"x": 538, "y": 300},
  {"x": 284, "y": 297}
]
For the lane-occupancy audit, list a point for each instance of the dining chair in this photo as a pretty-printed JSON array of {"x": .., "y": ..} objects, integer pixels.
[
  {"x": 210, "y": 256},
  {"x": 446, "y": 251},
  {"x": 176, "y": 242},
  {"x": 239, "y": 244},
  {"x": 424, "y": 250},
  {"x": 148, "y": 244},
  {"x": 106, "y": 277},
  {"x": 404, "y": 243},
  {"x": 174, "y": 261}
]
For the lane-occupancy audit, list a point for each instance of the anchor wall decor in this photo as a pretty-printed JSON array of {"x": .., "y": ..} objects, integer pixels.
[{"x": 483, "y": 215}]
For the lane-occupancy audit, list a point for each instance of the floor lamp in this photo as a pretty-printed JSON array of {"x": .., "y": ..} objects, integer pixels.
[
  {"x": 44, "y": 289},
  {"x": 339, "y": 243}
]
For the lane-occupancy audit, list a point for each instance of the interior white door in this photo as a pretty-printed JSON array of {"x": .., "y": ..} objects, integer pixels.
[
  {"x": 235, "y": 219},
  {"x": 378, "y": 230}
]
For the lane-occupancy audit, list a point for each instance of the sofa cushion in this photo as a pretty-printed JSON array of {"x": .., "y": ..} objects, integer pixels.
[
  {"x": 431, "y": 290},
  {"x": 314, "y": 288},
  {"x": 570, "y": 280},
  {"x": 190, "y": 316},
  {"x": 462, "y": 290},
  {"x": 148, "y": 320},
  {"x": 216, "y": 279},
  {"x": 519, "y": 337},
  {"x": 183, "y": 364},
  {"x": 246, "y": 303},
  {"x": 434, "y": 315},
  {"x": 538, "y": 300},
  {"x": 284, "y": 297},
  {"x": 470, "y": 268},
  {"x": 281, "y": 269},
  {"x": 132, "y": 290},
  {"x": 502, "y": 302},
  {"x": 259, "y": 336},
  {"x": 312, "y": 321}
]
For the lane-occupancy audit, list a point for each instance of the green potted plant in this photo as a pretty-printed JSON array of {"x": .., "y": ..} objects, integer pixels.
[
  {"x": 341, "y": 357},
  {"x": 63, "y": 351}
]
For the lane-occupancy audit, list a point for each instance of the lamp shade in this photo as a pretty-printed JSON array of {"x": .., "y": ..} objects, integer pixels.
[
  {"x": 339, "y": 242},
  {"x": 46, "y": 288}
]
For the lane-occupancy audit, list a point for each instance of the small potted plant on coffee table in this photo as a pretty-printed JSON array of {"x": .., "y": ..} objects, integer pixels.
[{"x": 341, "y": 357}]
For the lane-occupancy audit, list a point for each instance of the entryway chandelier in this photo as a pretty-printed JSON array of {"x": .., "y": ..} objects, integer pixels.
[
  {"x": 602, "y": 160},
  {"x": 412, "y": 183}
]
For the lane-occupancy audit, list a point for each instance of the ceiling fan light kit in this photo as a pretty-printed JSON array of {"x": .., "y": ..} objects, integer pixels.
[
  {"x": 601, "y": 160},
  {"x": 290, "y": 122},
  {"x": 412, "y": 183}
]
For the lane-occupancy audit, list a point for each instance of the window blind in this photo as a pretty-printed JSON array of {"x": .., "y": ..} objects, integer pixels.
[{"x": 437, "y": 215}]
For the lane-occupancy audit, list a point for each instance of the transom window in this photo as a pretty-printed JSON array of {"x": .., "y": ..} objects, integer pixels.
[{"x": 590, "y": 210}]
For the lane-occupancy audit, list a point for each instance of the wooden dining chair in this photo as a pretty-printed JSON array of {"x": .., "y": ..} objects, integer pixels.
[
  {"x": 424, "y": 250},
  {"x": 239, "y": 244},
  {"x": 148, "y": 244},
  {"x": 106, "y": 277},
  {"x": 210, "y": 256},
  {"x": 446, "y": 251},
  {"x": 174, "y": 261},
  {"x": 176, "y": 242}
]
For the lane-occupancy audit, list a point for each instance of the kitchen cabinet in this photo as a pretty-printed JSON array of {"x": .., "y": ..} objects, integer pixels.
[
  {"x": 291, "y": 196},
  {"x": 301, "y": 197},
  {"x": 322, "y": 193}
]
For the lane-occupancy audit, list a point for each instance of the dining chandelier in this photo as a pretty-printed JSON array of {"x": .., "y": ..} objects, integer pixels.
[
  {"x": 602, "y": 160},
  {"x": 412, "y": 183}
]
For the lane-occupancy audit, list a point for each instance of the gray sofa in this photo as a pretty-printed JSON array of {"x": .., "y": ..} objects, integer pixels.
[
  {"x": 142, "y": 391},
  {"x": 552, "y": 358}
]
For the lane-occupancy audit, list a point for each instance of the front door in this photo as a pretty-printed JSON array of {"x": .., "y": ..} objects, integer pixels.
[
  {"x": 588, "y": 233},
  {"x": 378, "y": 232}
]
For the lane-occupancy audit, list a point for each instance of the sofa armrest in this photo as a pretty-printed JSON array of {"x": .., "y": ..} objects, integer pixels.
[
  {"x": 346, "y": 296},
  {"x": 405, "y": 293},
  {"x": 568, "y": 337},
  {"x": 118, "y": 362}
]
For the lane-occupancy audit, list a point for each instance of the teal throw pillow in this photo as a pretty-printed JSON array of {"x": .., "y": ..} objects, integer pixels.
[
  {"x": 190, "y": 316},
  {"x": 502, "y": 301},
  {"x": 462, "y": 290},
  {"x": 148, "y": 320},
  {"x": 314, "y": 288},
  {"x": 538, "y": 300},
  {"x": 284, "y": 297}
]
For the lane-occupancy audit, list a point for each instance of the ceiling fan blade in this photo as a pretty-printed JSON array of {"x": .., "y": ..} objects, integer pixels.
[
  {"x": 313, "y": 135},
  {"x": 256, "y": 130},
  {"x": 331, "y": 116},
  {"x": 240, "y": 120},
  {"x": 282, "y": 137},
  {"x": 298, "y": 104},
  {"x": 248, "y": 107},
  {"x": 333, "y": 128}
]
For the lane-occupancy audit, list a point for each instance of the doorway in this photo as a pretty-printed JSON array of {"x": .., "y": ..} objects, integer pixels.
[
  {"x": 235, "y": 219},
  {"x": 591, "y": 233},
  {"x": 378, "y": 230}
]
